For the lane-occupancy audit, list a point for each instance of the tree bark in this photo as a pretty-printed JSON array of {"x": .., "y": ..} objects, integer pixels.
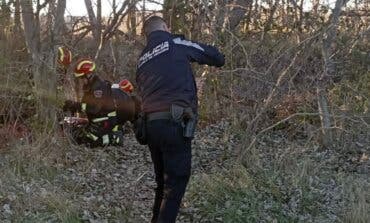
[
  {"x": 229, "y": 14},
  {"x": 168, "y": 11},
  {"x": 5, "y": 16},
  {"x": 94, "y": 22},
  {"x": 43, "y": 54},
  {"x": 113, "y": 25},
  {"x": 238, "y": 12},
  {"x": 131, "y": 20},
  {"x": 59, "y": 23},
  {"x": 329, "y": 71},
  {"x": 17, "y": 18},
  {"x": 270, "y": 19}
]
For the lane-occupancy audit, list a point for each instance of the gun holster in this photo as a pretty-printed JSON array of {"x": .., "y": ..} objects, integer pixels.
[
  {"x": 140, "y": 129},
  {"x": 186, "y": 117}
]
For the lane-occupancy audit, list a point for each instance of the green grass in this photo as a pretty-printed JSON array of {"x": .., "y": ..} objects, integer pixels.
[
  {"x": 62, "y": 208},
  {"x": 233, "y": 196},
  {"x": 358, "y": 200},
  {"x": 31, "y": 163}
]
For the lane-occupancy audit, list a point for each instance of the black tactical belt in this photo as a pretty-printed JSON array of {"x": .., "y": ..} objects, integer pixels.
[{"x": 158, "y": 115}]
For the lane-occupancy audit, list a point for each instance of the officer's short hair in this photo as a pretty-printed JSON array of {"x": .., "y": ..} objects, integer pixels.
[{"x": 153, "y": 23}]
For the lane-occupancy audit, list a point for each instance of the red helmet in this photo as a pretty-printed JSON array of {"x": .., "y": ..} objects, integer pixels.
[
  {"x": 64, "y": 56},
  {"x": 84, "y": 67},
  {"x": 126, "y": 86}
]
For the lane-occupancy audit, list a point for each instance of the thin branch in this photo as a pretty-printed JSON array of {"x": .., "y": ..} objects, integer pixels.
[{"x": 41, "y": 6}]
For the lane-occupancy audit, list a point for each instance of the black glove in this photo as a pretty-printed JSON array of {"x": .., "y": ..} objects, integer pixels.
[{"x": 71, "y": 106}]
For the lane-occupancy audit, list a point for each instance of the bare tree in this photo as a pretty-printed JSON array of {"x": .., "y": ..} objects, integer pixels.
[
  {"x": 237, "y": 12},
  {"x": 273, "y": 8},
  {"x": 229, "y": 13},
  {"x": 103, "y": 33},
  {"x": 131, "y": 20},
  {"x": 17, "y": 18},
  {"x": 329, "y": 71},
  {"x": 5, "y": 16},
  {"x": 42, "y": 52},
  {"x": 94, "y": 21}
]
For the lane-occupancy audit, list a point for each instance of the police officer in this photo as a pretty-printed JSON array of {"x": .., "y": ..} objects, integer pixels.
[
  {"x": 169, "y": 100},
  {"x": 98, "y": 104}
]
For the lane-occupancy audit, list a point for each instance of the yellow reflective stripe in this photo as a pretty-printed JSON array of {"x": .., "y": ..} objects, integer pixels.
[
  {"x": 79, "y": 75},
  {"x": 105, "y": 139},
  {"x": 117, "y": 140},
  {"x": 83, "y": 107},
  {"x": 70, "y": 56},
  {"x": 112, "y": 114},
  {"x": 100, "y": 119},
  {"x": 61, "y": 53},
  {"x": 93, "y": 68},
  {"x": 92, "y": 136},
  {"x": 115, "y": 129},
  {"x": 82, "y": 63}
]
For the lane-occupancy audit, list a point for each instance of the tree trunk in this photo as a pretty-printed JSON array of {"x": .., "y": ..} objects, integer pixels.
[
  {"x": 229, "y": 14},
  {"x": 59, "y": 23},
  {"x": 270, "y": 19},
  {"x": 143, "y": 14},
  {"x": 237, "y": 13},
  {"x": 43, "y": 55},
  {"x": 94, "y": 22},
  {"x": 131, "y": 20},
  {"x": 315, "y": 7},
  {"x": 17, "y": 17},
  {"x": 113, "y": 25},
  {"x": 248, "y": 19},
  {"x": 324, "y": 111},
  {"x": 329, "y": 71},
  {"x": 5, "y": 16}
]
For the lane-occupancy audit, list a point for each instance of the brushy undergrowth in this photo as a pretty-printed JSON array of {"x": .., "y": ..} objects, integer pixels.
[
  {"x": 279, "y": 183},
  {"x": 27, "y": 183},
  {"x": 233, "y": 196}
]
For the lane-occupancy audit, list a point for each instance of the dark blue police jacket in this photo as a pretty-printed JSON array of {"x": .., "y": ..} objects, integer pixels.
[{"x": 164, "y": 75}]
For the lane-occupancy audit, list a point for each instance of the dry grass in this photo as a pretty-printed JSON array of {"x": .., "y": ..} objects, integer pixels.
[
  {"x": 358, "y": 197},
  {"x": 285, "y": 176}
]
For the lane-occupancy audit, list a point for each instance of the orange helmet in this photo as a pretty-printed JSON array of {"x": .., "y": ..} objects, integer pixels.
[
  {"x": 64, "y": 56},
  {"x": 84, "y": 67},
  {"x": 126, "y": 86}
]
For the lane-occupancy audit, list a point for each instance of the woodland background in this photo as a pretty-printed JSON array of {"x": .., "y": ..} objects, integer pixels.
[{"x": 284, "y": 132}]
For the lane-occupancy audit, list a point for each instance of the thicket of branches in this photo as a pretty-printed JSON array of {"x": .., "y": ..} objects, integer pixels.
[{"x": 298, "y": 65}]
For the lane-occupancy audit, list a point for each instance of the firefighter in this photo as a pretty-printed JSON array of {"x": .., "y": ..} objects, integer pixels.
[
  {"x": 64, "y": 56},
  {"x": 65, "y": 84},
  {"x": 98, "y": 105},
  {"x": 64, "y": 59}
]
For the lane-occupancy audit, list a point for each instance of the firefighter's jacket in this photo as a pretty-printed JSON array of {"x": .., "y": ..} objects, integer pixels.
[{"x": 98, "y": 104}]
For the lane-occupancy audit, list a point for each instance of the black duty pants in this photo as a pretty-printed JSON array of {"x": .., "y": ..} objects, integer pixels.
[{"x": 171, "y": 155}]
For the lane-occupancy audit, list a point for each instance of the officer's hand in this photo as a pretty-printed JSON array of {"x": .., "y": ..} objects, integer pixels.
[{"x": 71, "y": 106}]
